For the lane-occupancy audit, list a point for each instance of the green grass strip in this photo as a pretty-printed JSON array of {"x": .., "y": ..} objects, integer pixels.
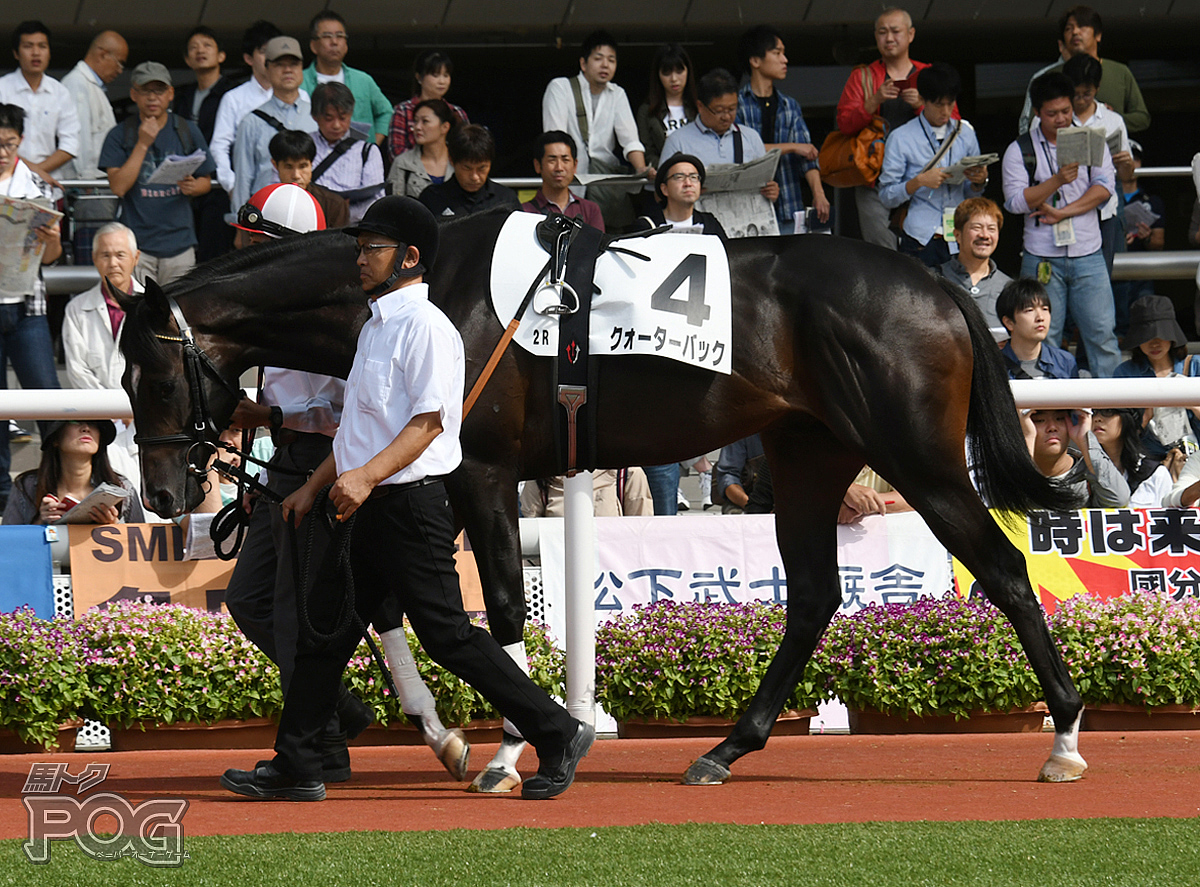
[{"x": 1044, "y": 853}]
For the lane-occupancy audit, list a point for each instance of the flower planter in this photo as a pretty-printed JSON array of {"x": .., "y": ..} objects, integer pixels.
[
  {"x": 1120, "y": 718},
  {"x": 249, "y": 733},
  {"x": 12, "y": 744},
  {"x": 1028, "y": 720},
  {"x": 790, "y": 723},
  {"x": 404, "y": 733}
]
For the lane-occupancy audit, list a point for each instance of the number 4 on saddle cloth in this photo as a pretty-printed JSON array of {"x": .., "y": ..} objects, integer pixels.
[{"x": 676, "y": 305}]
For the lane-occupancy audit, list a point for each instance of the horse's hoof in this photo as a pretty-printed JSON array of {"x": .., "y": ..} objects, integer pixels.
[
  {"x": 1063, "y": 768},
  {"x": 705, "y": 772},
  {"x": 495, "y": 781},
  {"x": 454, "y": 752}
]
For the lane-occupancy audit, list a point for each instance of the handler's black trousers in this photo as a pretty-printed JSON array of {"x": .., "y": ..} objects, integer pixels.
[
  {"x": 261, "y": 595},
  {"x": 402, "y": 544}
]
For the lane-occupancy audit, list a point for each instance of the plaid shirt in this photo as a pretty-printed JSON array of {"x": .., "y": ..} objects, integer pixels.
[
  {"x": 789, "y": 127},
  {"x": 400, "y": 134}
]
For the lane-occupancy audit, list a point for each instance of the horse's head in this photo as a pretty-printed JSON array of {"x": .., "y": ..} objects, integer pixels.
[{"x": 180, "y": 398}]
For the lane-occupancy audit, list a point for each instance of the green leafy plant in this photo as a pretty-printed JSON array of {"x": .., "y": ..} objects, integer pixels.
[
  {"x": 934, "y": 657},
  {"x": 457, "y": 702},
  {"x": 173, "y": 664},
  {"x": 672, "y": 660},
  {"x": 43, "y": 678},
  {"x": 1134, "y": 649}
]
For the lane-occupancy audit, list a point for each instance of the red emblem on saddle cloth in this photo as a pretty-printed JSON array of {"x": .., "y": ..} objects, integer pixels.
[{"x": 573, "y": 351}]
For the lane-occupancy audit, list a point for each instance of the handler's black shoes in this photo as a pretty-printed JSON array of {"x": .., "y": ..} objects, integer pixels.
[
  {"x": 267, "y": 783},
  {"x": 555, "y": 774}
]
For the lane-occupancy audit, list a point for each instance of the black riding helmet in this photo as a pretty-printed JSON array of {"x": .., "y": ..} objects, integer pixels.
[{"x": 407, "y": 221}]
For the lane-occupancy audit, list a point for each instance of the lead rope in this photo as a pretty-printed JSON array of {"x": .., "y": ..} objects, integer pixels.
[{"x": 340, "y": 540}]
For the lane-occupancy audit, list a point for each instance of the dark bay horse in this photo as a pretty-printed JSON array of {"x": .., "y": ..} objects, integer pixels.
[{"x": 843, "y": 354}]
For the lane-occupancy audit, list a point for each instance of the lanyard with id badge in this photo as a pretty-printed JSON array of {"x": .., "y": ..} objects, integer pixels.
[{"x": 1064, "y": 230}]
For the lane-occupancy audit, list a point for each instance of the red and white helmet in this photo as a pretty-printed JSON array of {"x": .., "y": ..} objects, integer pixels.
[{"x": 281, "y": 210}]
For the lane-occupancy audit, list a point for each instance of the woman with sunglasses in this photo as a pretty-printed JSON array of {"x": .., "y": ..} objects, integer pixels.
[
  {"x": 1120, "y": 435},
  {"x": 74, "y": 463}
]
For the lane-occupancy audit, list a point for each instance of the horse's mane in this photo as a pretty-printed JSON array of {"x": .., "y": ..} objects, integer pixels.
[{"x": 239, "y": 261}]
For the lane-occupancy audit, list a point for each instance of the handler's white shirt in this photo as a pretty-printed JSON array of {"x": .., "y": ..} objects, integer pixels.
[
  {"x": 409, "y": 361},
  {"x": 310, "y": 402}
]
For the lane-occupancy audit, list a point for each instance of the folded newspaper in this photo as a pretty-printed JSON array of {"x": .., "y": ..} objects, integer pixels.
[
  {"x": 957, "y": 169},
  {"x": 20, "y": 249},
  {"x": 1085, "y": 145},
  {"x": 176, "y": 167}
]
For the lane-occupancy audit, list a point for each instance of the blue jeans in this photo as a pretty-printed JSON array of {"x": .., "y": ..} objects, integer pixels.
[
  {"x": 664, "y": 487},
  {"x": 25, "y": 341},
  {"x": 1082, "y": 287}
]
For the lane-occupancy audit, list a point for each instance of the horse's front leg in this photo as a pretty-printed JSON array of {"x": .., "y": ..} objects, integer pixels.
[
  {"x": 484, "y": 497},
  {"x": 810, "y": 477}
]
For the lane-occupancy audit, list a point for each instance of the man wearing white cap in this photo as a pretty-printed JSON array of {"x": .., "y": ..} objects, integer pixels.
[
  {"x": 302, "y": 411},
  {"x": 159, "y": 214}
]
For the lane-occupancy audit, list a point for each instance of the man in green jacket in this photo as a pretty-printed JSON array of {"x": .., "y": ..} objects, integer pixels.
[{"x": 329, "y": 44}]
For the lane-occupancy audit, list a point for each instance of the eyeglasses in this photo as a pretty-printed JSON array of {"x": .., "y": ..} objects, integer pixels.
[
  {"x": 339, "y": 35},
  {"x": 684, "y": 177},
  {"x": 112, "y": 55},
  {"x": 374, "y": 247},
  {"x": 9, "y": 147},
  {"x": 1106, "y": 414},
  {"x": 730, "y": 111}
]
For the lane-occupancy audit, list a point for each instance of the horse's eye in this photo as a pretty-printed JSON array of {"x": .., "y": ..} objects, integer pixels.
[{"x": 166, "y": 388}]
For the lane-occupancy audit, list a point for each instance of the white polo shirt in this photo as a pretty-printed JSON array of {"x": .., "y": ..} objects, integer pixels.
[{"x": 409, "y": 361}]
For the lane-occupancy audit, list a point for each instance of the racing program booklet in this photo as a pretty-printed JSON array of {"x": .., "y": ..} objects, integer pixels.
[{"x": 104, "y": 494}]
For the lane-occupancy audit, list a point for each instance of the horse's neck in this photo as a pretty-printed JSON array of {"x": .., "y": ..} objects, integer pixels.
[{"x": 240, "y": 333}]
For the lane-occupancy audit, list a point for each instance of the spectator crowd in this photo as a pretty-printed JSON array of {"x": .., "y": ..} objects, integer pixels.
[{"x": 190, "y": 156}]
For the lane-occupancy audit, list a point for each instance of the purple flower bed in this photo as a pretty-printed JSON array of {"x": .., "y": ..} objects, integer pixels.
[{"x": 43, "y": 677}]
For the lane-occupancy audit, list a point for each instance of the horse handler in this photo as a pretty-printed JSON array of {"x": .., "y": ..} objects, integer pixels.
[{"x": 397, "y": 440}]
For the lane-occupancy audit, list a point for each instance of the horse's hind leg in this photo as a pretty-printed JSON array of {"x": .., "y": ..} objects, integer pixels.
[
  {"x": 953, "y": 511},
  {"x": 810, "y": 471},
  {"x": 485, "y": 500}
]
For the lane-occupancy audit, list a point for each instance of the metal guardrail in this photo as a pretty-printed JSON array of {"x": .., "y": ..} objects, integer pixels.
[{"x": 1159, "y": 265}]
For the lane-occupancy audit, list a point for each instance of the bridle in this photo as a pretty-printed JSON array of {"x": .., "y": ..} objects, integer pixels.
[{"x": 201, "y": 435}]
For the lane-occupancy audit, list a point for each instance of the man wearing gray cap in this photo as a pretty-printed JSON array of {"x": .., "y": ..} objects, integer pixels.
[
  {"x": 159, "y": 214},
  {"x": 289, "y": 107}
]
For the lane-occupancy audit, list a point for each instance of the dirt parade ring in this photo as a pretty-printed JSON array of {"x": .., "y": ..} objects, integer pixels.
[{"x": 796, "y": 779}]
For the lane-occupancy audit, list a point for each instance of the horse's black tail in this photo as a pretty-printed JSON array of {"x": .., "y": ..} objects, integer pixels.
[{"x": 1004, "y": 472}]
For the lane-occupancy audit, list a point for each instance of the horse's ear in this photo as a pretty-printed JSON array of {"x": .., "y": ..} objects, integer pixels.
[
  {"x": 156, "y": 299},
  {"x": 127, "y": 301}
]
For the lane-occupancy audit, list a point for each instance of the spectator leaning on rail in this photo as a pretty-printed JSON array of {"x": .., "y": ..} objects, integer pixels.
[
  {"x": 1080, "y": 31},
  {"x": 1024, "y": 309},
  {"x": 915, "y": 160},
  {"x": 241, "y": 100},
  {"x": 977, "y": 224},
  {"x": 1064, "y": 449},
  {"x": 346, "y": 163},
  {"x": 470, "y": 189},
  {"x": 1062, "y": 229},
  {"x": 288, "y": 107},
  {"x": 51, "y": 126},
  {"x": 890, "y": 93},
  {"x": 1120, "y": 433},
  {"x": 431, "y": 76},
  {"x": 677, "y": 187},
  {"x": 554, "y": 160},
  {"x": 74, "y": 462},
  {"x": 92, "y": 328},
  {"x": 159, "y": 214},
  {"x": 596, "y": 112},
  {"x": 780, "y": 122},
  {"x": 24, "y": 333},
  {"x": 328, "y": 43},
  {"x": 199, "y": 102}
]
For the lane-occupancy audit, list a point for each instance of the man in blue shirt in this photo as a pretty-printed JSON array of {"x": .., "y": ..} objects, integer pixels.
[
  {"x": 780, "y": 122},
  {"x": 912, "y": 174},
  {"x": 1024, "y": 309},
  {"x": 160, "y": 215},
  {"x": 288, "y": 107}
]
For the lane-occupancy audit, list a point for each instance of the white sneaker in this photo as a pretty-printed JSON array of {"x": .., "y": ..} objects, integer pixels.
[{"x": 682, "y": 501}]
